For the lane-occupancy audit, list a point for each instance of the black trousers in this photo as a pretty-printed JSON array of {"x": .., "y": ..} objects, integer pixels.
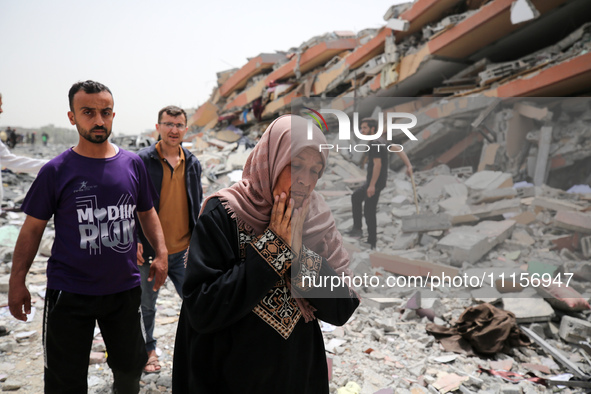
[
  {"x": 68, "y": 328},
  {"x": 358, "y": 198}
]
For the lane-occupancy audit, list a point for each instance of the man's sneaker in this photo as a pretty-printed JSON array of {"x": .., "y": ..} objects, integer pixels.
[{"x": 355, "y": 233}]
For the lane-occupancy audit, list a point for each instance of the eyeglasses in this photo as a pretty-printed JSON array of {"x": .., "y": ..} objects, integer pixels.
[{"x": 170, "y": 125}]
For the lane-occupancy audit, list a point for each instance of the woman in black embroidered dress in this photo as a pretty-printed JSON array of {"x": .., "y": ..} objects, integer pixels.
[{"x": 240, "y": 329}]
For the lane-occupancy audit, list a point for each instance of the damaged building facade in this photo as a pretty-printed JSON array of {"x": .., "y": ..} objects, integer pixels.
[{"x": 430, "y": 50}]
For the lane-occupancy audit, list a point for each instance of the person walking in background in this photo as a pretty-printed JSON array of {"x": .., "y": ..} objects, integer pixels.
[
  {"x": 94, "y": 191},
  {"x": 176, "y": 174},
  {"x": 369, "y": 193}
]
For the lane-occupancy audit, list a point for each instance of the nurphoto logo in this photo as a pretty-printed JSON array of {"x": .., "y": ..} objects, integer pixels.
[{"x": 344, "y": 125}]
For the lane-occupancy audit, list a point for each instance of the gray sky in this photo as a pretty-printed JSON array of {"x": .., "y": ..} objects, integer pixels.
[{"x": 149, "y": 53}]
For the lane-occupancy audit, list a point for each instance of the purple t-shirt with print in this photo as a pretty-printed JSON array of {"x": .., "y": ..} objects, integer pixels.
[{"x": 94, "y": 204}]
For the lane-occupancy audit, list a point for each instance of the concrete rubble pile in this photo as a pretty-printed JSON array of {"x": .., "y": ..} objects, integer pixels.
[
  {"x": 469, "y": 223},
  {"x": 474, "y": 225}
]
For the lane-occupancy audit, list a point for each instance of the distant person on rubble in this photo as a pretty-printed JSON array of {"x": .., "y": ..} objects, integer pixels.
[
  {"x": 12, "y": 137},
  {"x": 16, "y": 163},
  {"x": 176, "y": 174},
  {"x": 369, "y": 193},
  {"x": 94, "y": 192},
  {"x": 44, "y": 138}
]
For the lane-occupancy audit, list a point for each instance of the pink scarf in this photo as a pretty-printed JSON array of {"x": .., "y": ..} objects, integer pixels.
[{"x": 250, "y": 200}]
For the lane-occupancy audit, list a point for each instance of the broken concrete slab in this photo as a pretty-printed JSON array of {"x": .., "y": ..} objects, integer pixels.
[
  {"x": 426, "y": 222},
  {"x": 528, "y": 310},
  {"x": 447, "y": 382},
  {"x": 522, "y": 237},
  {"x": 487, "y": 180},
  {"x": 497, "y": 208},
  {"x": 531, "y": 111},
  {"x": 409, "y": 267},
  {"x": 525, "y": 218},
  {"x": 405, "y": 241},
  {"x": 487, "y": 196},
  {"x": 465, "y": 246},
  {"x": 555, "y": 204},
  {"x": 486, "y": 294},
  {"x": 463, "y": 218},
  {"x": 404, "y": 211},
  {"x": 574, "y": 330},
  {"x": 398, "y": 24},
  {"x": 381, "y": 303},
  {"x": 573, "y": 221},
  {"x": 471, "y": 243},
  {"x": 399, "y": 201},
  {"x": 456, "y": 190},
  {"x": 488, "y": 156},
  {"x": 455, "y": 205},
  {"x": 436, "y": 187}
]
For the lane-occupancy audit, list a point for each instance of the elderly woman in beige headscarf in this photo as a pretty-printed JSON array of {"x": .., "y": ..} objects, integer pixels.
[{"x": 248, "y": 321}]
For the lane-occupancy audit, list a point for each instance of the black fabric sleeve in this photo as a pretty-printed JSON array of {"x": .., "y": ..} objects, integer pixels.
[{"x": 220, "y": 288}]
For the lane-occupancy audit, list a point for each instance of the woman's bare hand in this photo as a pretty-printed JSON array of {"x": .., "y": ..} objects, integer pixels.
[
  {"x": 280, "y": 222},
  {"x": 297, "y": 221}
]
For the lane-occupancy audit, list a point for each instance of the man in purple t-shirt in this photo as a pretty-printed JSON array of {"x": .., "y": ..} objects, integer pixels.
[{"x": 94, "y": 192}]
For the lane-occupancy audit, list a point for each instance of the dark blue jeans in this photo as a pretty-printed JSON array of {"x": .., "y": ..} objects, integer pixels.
[{"x": 176, "y": 273}]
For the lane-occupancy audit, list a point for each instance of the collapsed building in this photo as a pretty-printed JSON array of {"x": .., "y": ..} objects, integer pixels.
[{"x": 429, "y": 51}]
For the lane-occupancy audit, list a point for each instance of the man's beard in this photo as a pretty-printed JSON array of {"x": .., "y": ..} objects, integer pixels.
[{"x": 94, "y": 138}]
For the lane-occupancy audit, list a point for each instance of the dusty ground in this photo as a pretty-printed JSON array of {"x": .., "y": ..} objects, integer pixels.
[{"x": 377, "y": 349}]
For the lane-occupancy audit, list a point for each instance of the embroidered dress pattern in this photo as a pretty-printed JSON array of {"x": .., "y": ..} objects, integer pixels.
[
  {"x": 309, "y": 267},
  {"x": 274, "y": 251},
  {"x": 278, "y": 308}
]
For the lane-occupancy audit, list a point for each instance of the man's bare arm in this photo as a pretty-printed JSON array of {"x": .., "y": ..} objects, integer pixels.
[
  {"x": 27, "y": 244},
  {"x": 153, "y": 232},
  {"x": 406, "y": 161}
]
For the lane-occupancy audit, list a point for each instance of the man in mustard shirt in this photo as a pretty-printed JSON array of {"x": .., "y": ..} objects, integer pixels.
[{"x": 176, "y": 174}]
